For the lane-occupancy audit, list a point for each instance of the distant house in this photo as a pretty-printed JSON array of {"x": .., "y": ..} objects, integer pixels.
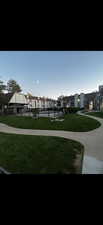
[{"x": 12, "y": 103}]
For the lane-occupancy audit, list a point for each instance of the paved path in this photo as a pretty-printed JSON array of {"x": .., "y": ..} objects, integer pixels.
[
  {"x": 93, "y": 157},
  {"x": 92, "y": 141}
]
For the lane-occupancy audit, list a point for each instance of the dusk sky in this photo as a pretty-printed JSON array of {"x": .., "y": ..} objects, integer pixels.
[{"x": 53, "y": 73}]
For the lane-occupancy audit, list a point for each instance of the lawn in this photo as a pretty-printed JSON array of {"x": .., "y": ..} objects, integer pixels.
[
  {"x": 39, "y": 154},
  {"x": 96, "y": 114},
  {"x": 72, "y": 122}
]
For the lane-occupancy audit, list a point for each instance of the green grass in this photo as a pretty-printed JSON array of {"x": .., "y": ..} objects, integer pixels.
[
  {"x": 38, "y": 154},
  {"x": 96, "y": 114},
  {"x": 72, "y": 122}
]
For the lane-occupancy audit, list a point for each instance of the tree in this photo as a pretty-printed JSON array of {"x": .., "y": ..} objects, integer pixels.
[
  {"x": 13, "y": 86},
  {"x": 2, "y": 87}
]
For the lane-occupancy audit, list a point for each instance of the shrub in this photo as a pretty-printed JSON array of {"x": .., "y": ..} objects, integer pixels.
[
  {"x": 35, "y": 112},
  {"x": 72, "y": 109}
]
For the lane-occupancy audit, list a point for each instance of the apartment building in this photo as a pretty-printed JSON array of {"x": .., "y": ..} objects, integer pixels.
[
  {"x": 61, "y": 101},
  {"x": 90, "y": 101},
  {"x": 71, "y": 101},
  {"x": 20, "y": 103},
  {"x": 82, "y": 100},
  {"x": 40, "y": 102},
  {"x": 101, "y": 90}
]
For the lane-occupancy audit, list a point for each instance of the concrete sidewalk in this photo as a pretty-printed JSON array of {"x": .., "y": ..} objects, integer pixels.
[{"x": 92, "y": 141}]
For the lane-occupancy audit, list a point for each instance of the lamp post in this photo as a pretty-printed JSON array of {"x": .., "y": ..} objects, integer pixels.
[
  {"x": 67, "y": 107},
  {"x": 54, "y": 112},
  {"x": 5, "y": 107},
  {"x": 38, "y": 106},
  {"x": 48, "y": 112},
  {"x": 78, "y": 102}
]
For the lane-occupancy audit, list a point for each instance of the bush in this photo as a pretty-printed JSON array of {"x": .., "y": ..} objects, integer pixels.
[
  {"x": 72, "y": 109},
  {"x": 35, "y": 112},
  {"x": 81, "y": 108}
]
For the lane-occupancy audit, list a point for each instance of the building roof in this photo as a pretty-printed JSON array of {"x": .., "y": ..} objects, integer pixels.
[{"x": 39, "y": 98}]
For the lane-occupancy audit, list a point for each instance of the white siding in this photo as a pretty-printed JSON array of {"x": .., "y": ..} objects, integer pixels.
[
  {"x": 76, "y": 100},
  {"x": 81, "y": 100},
  {"x": 40, "y": 103}
]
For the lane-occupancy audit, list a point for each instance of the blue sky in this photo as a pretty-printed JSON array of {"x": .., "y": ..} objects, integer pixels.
[{"x": 53, "y": 73}]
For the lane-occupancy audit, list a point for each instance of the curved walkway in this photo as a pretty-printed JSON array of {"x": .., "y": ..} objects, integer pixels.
[
  {"x": 93, "y": 155},
  {"x": 92, "y": 141}
]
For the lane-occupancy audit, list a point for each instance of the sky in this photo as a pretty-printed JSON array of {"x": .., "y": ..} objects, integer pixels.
[{"x": 53, "y": 73}]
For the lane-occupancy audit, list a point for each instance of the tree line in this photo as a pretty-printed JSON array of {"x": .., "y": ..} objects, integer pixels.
[{"x": 12, "y": 86}]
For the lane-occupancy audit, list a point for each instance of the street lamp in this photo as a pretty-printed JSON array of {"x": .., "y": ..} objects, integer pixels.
[{"x": 78, "y": 102}]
